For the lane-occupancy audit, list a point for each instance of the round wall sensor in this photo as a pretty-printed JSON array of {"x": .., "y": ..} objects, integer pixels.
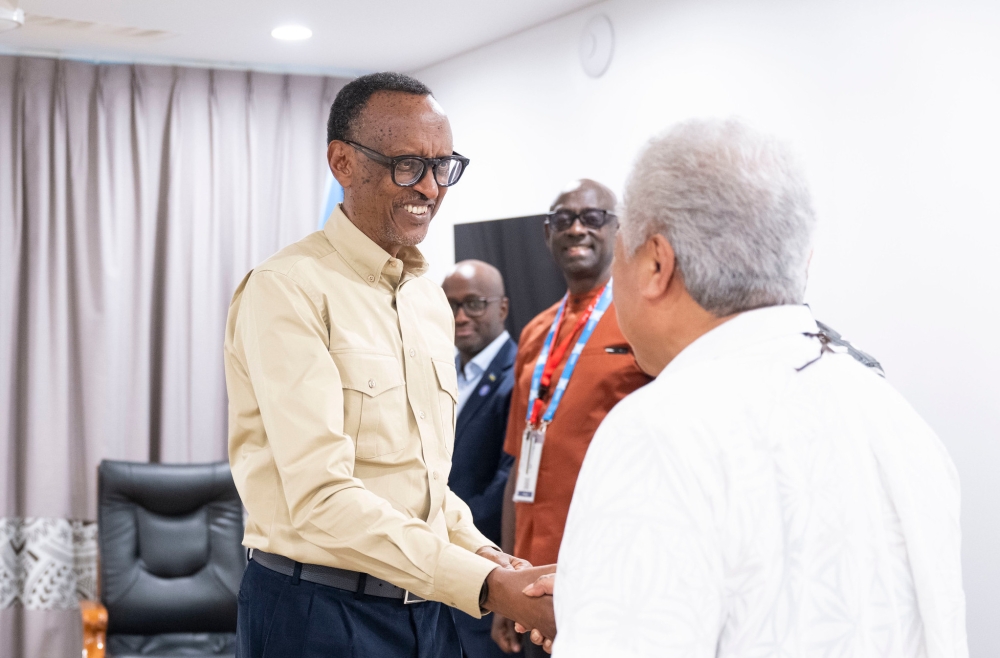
[
  {"x": 597, "y": 44},
  {"x": 10, "y": 18}
]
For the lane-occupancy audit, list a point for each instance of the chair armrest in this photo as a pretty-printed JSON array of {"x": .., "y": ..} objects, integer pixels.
[{"x": 95, "y": 627}]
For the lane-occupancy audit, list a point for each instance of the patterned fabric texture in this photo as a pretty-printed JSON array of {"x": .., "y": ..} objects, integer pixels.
[
  {"x": 765, "y": 497},
  {"x": 47, "y": 564}
]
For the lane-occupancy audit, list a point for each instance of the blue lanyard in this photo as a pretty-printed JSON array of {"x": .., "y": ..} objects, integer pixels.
[{"x": 536, "y": 379}]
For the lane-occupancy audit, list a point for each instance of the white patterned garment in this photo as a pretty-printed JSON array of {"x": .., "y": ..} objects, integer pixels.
[
  {"x": 738, "y": 507},
  {"x": 47, "y": 563}
]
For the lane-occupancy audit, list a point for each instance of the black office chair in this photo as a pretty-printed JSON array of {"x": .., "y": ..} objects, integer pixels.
[{"x": 171, "y": 558}]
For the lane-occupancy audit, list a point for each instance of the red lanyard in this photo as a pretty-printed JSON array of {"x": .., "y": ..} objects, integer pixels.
[{"x": 557, "y": 354}]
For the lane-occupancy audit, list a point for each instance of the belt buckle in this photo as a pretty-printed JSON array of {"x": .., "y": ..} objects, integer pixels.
[{"x": 410, "y": 598}]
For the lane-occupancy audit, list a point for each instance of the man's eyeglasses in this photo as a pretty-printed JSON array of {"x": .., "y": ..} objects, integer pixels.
[
  {"x": 408, "y": 170},
  {"x": 594, "y": 218},
  {"x": 474, "y": 306}
]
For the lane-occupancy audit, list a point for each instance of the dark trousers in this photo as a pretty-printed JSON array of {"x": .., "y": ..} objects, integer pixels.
[
  {"x": 475, "y": 636},
  {"x": 280, "y": 617}
]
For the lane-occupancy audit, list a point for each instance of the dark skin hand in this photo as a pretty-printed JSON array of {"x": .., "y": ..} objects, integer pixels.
[
  {"x": 392, "y": 123},
  {"x": 507, "y": 597},
  {"x": 502, "y": 559},
  {"x": 517, "y": 564}
]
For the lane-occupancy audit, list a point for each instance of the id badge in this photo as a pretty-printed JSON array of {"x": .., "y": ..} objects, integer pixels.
[{"x": 532, "y": 443}]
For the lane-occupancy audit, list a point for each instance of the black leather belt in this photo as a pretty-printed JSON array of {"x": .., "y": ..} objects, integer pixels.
[{"x": 352, "y": 581}]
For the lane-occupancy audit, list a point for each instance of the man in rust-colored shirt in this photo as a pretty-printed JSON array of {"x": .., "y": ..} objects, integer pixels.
[{"x": 580, "y": 233}]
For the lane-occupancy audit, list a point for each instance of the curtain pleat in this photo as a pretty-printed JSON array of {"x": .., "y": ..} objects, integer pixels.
[{"x": 132, "y": 201}]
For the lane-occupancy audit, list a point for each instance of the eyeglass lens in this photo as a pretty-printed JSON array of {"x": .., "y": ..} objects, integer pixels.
[
  {"x": 591, "y": 218},
  {"x": 474, "y": 306},
  {"x": 409, "y": 171}
]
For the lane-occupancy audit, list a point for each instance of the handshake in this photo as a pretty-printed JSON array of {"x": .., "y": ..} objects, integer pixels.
[{"x": 520, "y": 597}]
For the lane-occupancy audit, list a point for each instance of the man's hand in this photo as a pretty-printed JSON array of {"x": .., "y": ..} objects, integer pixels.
[
  {"x": 504, "y": 635},
  {"x": 504, "y": 560},
  {"x": 503, "y": 629},
  {"x": 544, "y": 586},
  {"x": 506, "y": 597}
]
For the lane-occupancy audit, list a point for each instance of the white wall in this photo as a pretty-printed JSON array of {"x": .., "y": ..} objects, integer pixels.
[{"x": 895, "y": 110}]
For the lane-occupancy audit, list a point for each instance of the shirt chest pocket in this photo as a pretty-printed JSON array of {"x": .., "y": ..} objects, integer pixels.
[
  {"x": 447, "y": 378},
  {"x": 375, "y": 406}
]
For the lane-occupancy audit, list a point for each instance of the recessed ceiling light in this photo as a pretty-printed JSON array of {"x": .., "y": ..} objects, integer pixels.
[
  {"x": 10, "y": 18},
  {"x": 291, "y": 33}
]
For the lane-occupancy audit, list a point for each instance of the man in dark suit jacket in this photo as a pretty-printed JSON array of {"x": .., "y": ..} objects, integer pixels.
[{"x": 485, "y": 363}]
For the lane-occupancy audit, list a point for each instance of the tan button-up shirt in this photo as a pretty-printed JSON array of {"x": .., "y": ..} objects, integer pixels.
[{"x": 342, "y": 388}]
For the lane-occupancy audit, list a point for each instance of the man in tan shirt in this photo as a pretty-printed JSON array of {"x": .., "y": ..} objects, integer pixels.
[{"x": 342, "y": 389}]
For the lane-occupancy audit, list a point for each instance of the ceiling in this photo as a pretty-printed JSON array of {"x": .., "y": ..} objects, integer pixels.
[{"x": 349, "y": 37}]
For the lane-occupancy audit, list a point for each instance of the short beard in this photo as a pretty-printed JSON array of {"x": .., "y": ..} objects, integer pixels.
[
  {"x": 388, "y": 234},
  {"x": 582, "y": 270}
]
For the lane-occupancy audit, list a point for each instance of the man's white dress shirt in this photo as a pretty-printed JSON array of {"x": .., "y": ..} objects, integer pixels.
[
  {"x": 747, "y": 504},
  {"x": 469, "y": 376}
]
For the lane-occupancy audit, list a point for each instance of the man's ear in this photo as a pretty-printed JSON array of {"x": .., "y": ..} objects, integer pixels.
[
  {"x": 504, "y": 307},
  {"x": 340, "y": 156},
  {"x": 661, "y": 266}
]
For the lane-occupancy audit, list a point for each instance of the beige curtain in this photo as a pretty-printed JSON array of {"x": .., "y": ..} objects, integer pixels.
[{"x": 132, "y": 201}]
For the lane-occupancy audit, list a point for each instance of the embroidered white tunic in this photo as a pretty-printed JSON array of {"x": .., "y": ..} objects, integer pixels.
[{"x": 742, "y": 505}]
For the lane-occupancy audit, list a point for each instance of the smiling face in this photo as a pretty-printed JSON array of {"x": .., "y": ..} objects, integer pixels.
[
  {"x": 473, "y": 279},
  {"x": 581, "y": 252},
  {"x": 392, "y": 123}
]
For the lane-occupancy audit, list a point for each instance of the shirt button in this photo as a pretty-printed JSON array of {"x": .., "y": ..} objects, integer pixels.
[
  {"x": 371, "y": 383},
  {"x": 436, "y": 476},
  {"x": 371, "y": 277},
  {"x": 422, "y": 415},
  {"x": 413, "y": 352}
]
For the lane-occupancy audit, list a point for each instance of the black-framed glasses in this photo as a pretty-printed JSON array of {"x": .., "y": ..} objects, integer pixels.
[
  {"x": 594, "y": 218},
  {"x": 408, "y": 170},
  {"x": 474, "y": 306}
]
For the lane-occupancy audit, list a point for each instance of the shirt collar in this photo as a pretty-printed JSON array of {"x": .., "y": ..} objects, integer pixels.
[
  {"x": 746, "y": 329},
  {"x": 370, "y": 261},
  {"x": 478, "y": 364}
]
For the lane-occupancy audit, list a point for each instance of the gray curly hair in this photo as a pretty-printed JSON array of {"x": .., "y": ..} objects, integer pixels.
[{"x": 734, "y": 206}]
